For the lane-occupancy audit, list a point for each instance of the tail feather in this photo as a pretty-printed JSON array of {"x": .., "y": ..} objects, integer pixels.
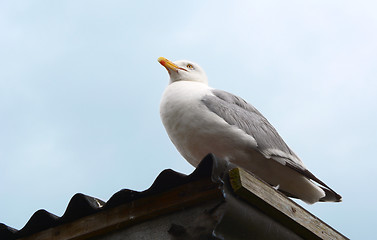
[{"x": 331, "y": 195}]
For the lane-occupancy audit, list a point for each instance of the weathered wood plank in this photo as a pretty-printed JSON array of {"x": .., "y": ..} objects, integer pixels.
[
  {"x": 279, "y": 207},
  {"x": 134, "y": 212}
]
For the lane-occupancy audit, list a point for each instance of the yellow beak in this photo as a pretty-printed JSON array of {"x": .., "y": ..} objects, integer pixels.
[{"x": 169, "y": 65}]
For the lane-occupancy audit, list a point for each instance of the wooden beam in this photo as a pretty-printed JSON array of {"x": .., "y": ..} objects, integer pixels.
[
  {"x": 280, "y": 207},
  {"x": 134, "y": 212}
]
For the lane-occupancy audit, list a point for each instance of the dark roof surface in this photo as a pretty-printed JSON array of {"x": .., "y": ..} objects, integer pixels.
[
  {"x": 82, "y": 205},
  {"x": 244, "y": 206}
]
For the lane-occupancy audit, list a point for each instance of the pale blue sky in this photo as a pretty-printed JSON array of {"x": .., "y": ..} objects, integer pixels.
[{"x": 80, "y": 88}]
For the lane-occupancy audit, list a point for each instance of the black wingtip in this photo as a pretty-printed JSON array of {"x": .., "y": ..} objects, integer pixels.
[{"x": 331, "y": 196}]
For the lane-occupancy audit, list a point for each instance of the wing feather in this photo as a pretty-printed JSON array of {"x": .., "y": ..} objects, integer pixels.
[{"x": 236, "y": 111}]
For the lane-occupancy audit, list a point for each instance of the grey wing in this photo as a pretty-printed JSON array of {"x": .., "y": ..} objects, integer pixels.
[{"x": 236, "y": 111}]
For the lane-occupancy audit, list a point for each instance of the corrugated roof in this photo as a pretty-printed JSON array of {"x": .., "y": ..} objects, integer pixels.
[
  {"x": 250, "y": 207},
  {"x": 82, "y": 205}
]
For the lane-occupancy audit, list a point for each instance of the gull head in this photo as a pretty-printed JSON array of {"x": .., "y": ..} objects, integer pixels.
[{"x": 183, "y": 70}]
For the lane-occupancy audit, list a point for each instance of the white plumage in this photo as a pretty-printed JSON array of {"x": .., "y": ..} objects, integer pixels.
[{"x": 201, "y": 120}]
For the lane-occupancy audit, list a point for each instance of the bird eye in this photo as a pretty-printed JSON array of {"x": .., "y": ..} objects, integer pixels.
[{"x": 189, "y": 66}]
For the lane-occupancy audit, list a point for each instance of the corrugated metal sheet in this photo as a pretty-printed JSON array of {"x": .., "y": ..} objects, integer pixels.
[
  {"x": 217, "y": 201},
  {"x": 82, "y": 205}
]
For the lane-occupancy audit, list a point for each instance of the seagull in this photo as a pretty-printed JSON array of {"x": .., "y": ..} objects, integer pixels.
[{"x": 200, "y": 120}]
